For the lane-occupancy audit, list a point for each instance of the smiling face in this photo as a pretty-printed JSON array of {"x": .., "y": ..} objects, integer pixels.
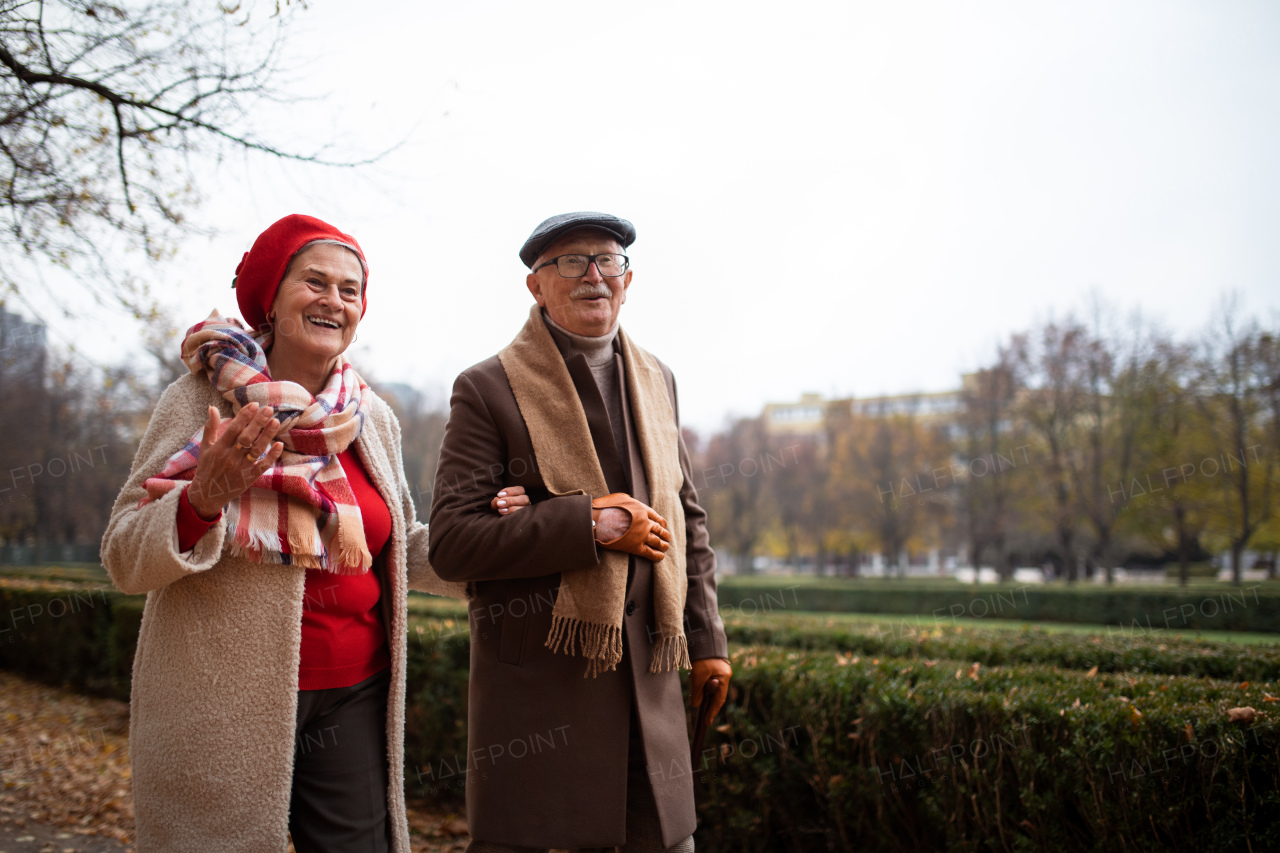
[
  {"x": 317, "y": 306},
  {"x": 588, "y": 305}
]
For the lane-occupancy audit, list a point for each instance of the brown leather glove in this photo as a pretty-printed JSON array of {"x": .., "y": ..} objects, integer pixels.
[{"x": 646, "y": 537}]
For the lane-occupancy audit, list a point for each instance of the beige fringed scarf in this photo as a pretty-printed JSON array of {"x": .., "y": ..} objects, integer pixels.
[{"x": 589, "y": 608}]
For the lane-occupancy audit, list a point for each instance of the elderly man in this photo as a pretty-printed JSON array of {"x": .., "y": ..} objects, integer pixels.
[{"x": 588, "y": 600}]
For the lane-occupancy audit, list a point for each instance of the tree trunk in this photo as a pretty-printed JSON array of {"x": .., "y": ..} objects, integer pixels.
[
  {"x": 1184, "y": 544},
  {"x": 1067, "y": 552}
]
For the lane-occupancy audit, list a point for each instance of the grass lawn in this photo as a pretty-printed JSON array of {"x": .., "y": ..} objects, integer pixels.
[
  {"x": 773, "y": 582},
  {"x": 435, "y": 606},
  {"x": 424, "y": 605},
  {"x": 896, "y": 621}
]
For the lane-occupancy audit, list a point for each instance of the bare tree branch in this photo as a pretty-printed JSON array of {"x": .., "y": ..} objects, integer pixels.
[{"x": 105, "y": 113}]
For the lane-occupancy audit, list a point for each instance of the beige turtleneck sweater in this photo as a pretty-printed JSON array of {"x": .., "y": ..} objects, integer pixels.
[{"x": 601, "y": 359}]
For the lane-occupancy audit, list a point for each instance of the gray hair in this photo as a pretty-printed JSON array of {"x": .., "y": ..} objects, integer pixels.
[{"x": 329, "y": 241}]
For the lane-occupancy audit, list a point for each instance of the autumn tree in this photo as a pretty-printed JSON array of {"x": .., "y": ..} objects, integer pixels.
[
  {"x": 422, "y": 422},
  {"x": 1170, "y": 503},
  {"x": 989, "y": 436},
  {"x": 888, "y": 464},
  {"x": 1115, "y": 373},
  {"x": 105, "y": 112},
  {"x": 732, "y": 482},
  {"x": 1235, "y": 402},
  {"x": 71, "y": 432},
  {"x": 1050, "y": 363}
]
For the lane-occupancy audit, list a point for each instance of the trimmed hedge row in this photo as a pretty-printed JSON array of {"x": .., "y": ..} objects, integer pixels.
[
  {"x": 1110, "y": 652},
  {"x": 79, "y": 636},
  {"x": 817, "y": 752},
  {"x": 1253, "y": 607},
  {"x": 896, "y": 755}
]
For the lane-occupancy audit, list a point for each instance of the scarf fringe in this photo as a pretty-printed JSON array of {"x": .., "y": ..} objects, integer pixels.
[
  {"x": 260, "y": 547},
  {"x": 670, "y": 653},
  {"x": 352, "y": 553},
  {"x": 601, "y": 642}
]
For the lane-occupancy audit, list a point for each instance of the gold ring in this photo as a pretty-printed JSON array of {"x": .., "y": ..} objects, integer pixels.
[
  {"x": 244, "y": 447},
  {"x": 251, "y": 457}
]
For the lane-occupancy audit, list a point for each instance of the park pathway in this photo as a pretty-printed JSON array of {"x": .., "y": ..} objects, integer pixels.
[{"x": 64, "y": 777}]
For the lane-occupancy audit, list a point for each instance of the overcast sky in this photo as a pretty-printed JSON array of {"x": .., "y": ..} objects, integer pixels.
[{"x": 848, "y": 198}]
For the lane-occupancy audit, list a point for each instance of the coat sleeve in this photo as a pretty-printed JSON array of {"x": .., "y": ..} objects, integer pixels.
[
  {"x": 140, "y": 547},
  {"x": 704, "y": 628},
  {"x": 470, "y": 541}
]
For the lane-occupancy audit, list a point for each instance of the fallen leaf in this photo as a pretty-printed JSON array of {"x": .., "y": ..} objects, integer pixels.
[
  {"x": 1091, "y": 673},
  {"x": 1244, "y": 685},
  {"x": 931, "y": 663},
  {"x": 1190, "y": 732},
  {"x": 1243, "y": 715},
  {"x": 723, "y": 729},
  {"x": 973, "y": 671}
]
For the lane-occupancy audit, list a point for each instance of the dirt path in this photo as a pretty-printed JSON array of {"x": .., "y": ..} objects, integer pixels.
[{"x": 64, "y": 777}]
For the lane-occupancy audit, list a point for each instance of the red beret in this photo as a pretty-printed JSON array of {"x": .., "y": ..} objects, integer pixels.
[{"x": 264, "y": 265}]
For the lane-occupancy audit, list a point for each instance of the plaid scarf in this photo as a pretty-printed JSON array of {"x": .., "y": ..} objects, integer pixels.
[{"x": 301, "y": 510}]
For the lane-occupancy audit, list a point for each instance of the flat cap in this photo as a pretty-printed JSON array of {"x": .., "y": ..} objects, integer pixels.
[{"x": 550, "y": 229}]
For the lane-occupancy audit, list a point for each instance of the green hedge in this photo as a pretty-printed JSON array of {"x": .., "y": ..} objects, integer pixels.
[
  {"x": 816, "y": 752},
  {"x": 76, "y": 636},
  {"x": 1110, "y": 652},
  {"x": 1220, "y": 607},
  {"x": 901, "y": 756}
]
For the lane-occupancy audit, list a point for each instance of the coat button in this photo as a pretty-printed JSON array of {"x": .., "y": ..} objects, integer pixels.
[{"x": 631, "y": 607}]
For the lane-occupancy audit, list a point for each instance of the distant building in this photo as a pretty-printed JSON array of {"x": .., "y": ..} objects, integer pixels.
[
  {"x": 23, "y": 344},
  {"x": 807, "y": 417}
]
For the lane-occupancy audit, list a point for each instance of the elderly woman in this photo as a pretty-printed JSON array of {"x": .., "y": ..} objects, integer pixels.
[{"x": 268, "y": 520}]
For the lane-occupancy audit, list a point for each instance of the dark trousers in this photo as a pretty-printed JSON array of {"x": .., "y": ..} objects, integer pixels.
[{"x": 339, "y": 798}]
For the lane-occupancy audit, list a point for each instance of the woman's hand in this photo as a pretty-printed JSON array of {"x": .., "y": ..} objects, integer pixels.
[
  {"x": 510, "y": 499},
  {"x": 233, "y": 454}
]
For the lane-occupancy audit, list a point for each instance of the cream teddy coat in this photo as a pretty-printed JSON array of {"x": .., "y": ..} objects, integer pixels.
[{"x": 215, "y": 678}]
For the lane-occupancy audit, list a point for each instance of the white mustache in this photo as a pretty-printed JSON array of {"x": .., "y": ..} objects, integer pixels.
[{"x": 586, "y": 291}]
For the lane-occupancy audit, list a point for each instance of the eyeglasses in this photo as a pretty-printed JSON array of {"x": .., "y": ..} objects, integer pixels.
[{"x": 576, "y": 266}]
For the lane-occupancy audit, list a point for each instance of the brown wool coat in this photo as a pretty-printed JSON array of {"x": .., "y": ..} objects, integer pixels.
[
  {"x": 214, "y": 700},
  {"x": 547, "y": 748}
]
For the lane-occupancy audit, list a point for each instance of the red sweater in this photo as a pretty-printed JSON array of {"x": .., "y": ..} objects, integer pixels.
[{"x": 343, "y": 639}]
